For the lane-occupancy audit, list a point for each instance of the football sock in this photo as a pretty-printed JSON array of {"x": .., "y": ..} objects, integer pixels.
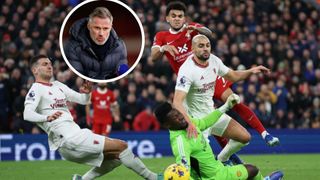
[
  {"x": 221, "y": 140},
  {"x": 231, "y": 148},
  {"x": 132, "y": 162},
  {"x": 106, "y": 166},
  {"x": 264, "y": 133},
  {"x": 248, "y": 115}
]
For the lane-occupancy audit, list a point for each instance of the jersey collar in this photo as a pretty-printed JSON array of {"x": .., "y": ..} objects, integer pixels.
[
  {"x": 200, "y": 65},
  {"x": 176, "y": 32},
  {"x": 44, "y": 83}
]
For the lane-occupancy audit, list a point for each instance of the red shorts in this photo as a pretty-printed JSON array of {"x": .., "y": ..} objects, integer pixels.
[
  {"x": 221, "y": 85},
  {"x": 101, "y": 128}
]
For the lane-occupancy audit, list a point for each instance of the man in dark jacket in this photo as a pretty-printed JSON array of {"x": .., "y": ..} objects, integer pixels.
[{"x": 94, "y": 49}]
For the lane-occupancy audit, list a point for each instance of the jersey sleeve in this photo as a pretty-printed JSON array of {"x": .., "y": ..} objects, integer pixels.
[
  {"x": 222, "y": 69},
  {"x": 158, "y": 40},
  {"x": 181, "y": 150},
  {"x": 208, "y": 120},
  {"x": 73, "y": 96},
  {"x": 31, "y": 103},
  {"x": 184, "y": 79}
]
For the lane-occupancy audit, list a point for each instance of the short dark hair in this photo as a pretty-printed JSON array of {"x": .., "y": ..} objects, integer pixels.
[
  {"x": 161, "y": 111},
  {"x": 35, "y": 59},
  {"x": 101, "y": 12},
  {"x": 176, "y": 5}
]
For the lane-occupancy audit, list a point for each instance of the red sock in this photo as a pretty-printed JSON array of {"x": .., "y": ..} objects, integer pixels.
[
  {"x": 221, "y": 140},
  {"x": 248, "y": 115}
]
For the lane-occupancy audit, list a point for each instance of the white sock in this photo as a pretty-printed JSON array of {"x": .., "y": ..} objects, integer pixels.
[
  {"x": 263, "y": 134},
  {"x": 106, "y": 166},
  {"x": 132, "y": 162},
  {"x": 231, "y": 148}
]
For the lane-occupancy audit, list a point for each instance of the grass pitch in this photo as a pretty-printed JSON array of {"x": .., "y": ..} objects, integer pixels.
[{"x": 294, "y": 166}]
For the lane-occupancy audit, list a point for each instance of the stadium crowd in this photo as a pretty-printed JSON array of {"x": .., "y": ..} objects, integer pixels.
[{"x": 282, "y": 35}]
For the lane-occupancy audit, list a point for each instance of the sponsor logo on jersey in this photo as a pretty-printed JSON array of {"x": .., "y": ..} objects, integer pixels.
[
  {"x": 59, "y": 103},
  {"x": 206, "y": 86},
  {"x": 168, "y": 43},
  {"x": 183, "y": 49}
]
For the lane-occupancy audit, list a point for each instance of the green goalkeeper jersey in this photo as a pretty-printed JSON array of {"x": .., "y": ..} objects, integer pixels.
[{"x": 184, "y": 149}]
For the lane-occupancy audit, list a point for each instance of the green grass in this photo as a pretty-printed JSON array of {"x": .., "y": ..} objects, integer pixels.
[{"x": 295, "y": 167}]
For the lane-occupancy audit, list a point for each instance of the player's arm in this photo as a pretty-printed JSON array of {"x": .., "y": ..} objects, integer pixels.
[
  {"x": 159, "y": 47},
  {"x": 30, "y": 105},
  {"x": 83, "y": 97},
  {"x": 208, "y": 120},
  {"x": 178, "y": 99},
  {"x": 202, "y": 30},
  {"x": 181, "y": 150},
  {"x": 236, "y": 76}
]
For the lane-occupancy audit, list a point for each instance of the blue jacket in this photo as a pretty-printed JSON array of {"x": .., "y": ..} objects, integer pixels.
[{"x": 81, "y": 56}]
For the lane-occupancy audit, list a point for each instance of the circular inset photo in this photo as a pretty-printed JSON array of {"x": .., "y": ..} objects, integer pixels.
[{"x": 101, "y": 40}]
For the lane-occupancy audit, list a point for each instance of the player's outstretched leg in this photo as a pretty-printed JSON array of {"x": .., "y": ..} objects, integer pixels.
[
  {"x": 249, "y": 117},
  {"x": 127, "y": 158}
]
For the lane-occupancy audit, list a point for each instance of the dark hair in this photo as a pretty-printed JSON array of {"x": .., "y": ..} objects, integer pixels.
[
  {"x": 101, "y": 12},
  {"x": 35, "y": 59},
  {"x": 161, "y": 111},
  {"x": 176, "y": 5}
]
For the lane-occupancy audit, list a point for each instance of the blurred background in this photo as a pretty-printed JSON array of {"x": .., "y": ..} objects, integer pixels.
[{"x": 283, "y": 35}]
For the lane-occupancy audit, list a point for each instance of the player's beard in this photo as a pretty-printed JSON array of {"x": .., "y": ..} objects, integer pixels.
[{"x": 203, "y": 58}]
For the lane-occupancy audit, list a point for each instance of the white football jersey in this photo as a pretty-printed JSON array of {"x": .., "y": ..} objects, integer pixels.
[
  {"x": 43, "y": 100},
  {"x": 198, "y": 82}
]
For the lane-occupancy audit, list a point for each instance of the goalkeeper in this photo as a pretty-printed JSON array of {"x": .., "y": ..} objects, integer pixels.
[{"x": 196, "y": 153}]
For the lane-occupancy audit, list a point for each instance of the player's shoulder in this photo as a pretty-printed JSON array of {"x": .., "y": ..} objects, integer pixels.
[
  {"x": 57, "y": 83},
  {"x": 162, "y": 34},
  {"x": 214, "y": 58},
  {"x": 187, "y": 66}
]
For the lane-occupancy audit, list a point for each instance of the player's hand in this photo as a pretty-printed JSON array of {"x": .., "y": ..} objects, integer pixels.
[
  {"x": 192, "y": 131},
  {"x": 260, "y": 69},
  {"x": 170, "y": 49},
  {"x": 86, "y": 87},
  {"x": 54, "y": 116}
]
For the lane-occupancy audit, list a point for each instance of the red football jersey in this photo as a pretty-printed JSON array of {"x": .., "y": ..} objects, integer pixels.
[
  {"x": 181, "y": 40},
  {"x": 101, "y": 106}
]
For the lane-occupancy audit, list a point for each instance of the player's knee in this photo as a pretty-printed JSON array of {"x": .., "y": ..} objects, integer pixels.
[
  {"x": 247, "y": 137},
  {"x": 252, "y": 170},
  {"x": 122, "y": 145}
]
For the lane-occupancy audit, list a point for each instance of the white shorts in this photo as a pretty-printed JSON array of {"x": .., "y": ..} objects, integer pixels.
[
  {"x": 85, "y": 147},
  {"x": 219, "y": 127}
]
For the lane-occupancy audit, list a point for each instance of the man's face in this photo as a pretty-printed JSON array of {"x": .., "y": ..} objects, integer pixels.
[
  {"x": 176, "y": 120},
  {"x": 176, "y": 19},
  {"x": 202, "y": 48},
  {"x": 43, "y": 69},
  {"x": 99, "y": 29}
]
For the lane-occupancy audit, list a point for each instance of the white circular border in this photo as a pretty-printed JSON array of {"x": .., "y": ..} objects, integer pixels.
[{"x": 97, "y": 80}]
